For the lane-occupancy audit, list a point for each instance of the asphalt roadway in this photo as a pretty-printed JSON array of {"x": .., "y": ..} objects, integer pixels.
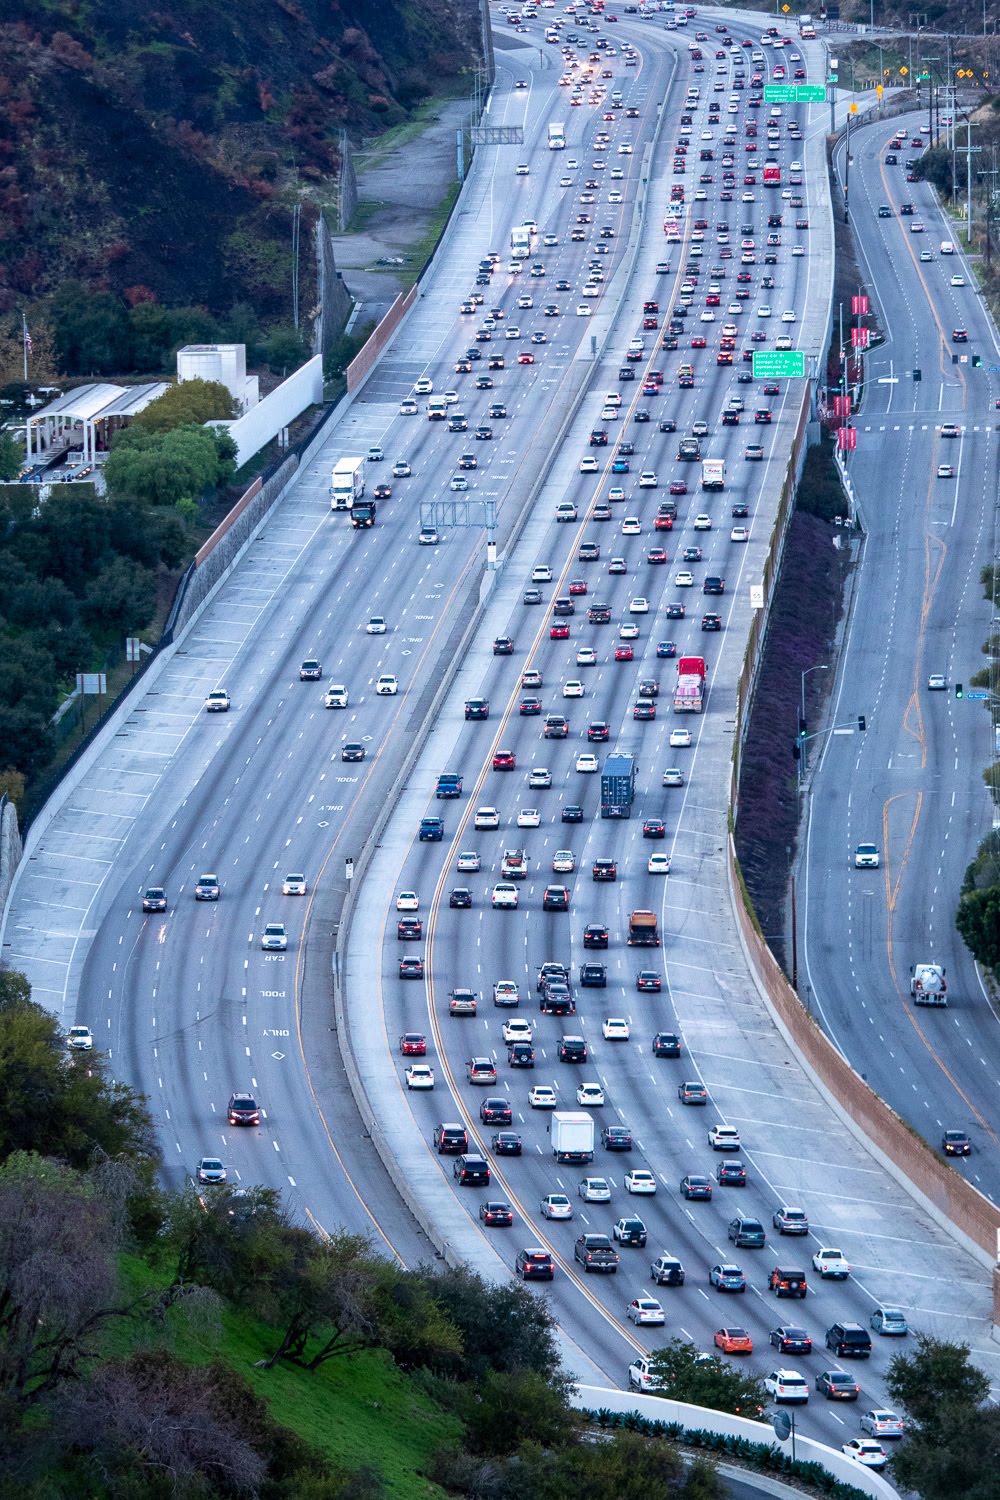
[
  {"x": 190, "y": 1008},
  {"x": 912, "y": 783}
]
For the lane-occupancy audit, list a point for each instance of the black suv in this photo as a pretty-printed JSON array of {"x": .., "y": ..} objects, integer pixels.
[
  {"x": 450, "y": 1140},
  {"x": 849, "y": 1339},
  {"x": 572, "y": 1049},
  {"x": 594, "y": 976},
  {"x": 535, "y": 1264},
  {"x": 472, "y": 1171}
]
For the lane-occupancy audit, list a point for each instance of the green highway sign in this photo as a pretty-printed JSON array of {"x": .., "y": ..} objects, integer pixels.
[
  {"x": 778, "y": 364},
  {"x": 794, "y": 93}
]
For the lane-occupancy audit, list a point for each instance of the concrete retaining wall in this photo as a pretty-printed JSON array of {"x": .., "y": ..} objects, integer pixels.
[
  {"x": 302, "y": 389},
  {"x": 698, "y": 1419},
  {"x": 10, "y": 847},
  {"x": 333, "y": 298},
  {"x": 954, "y": 1203},
  {"x": 364, "y": 361}
]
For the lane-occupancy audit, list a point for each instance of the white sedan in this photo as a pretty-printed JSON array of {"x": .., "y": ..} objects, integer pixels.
[
  {"x": 788, "y": 316},
  {"x": 419, "y": 1076},
  {"x": 616, "y": 1029},
  {"x": 294, "y": 885},
  {"x": 542, "y": 1097},
  {"x": 646, "y": 1310},
  {"x": 407, "y": 901},
  {"x": 958, "y": 281},
  {"x": 638, "y": 606},
  {"x": 556, "y": 1206},
  {"x": 586, "y": 763},
  {"x": 628, "y": 632},
  {"x": 595, "y": 1190},
  {"x": 583, "y": 311},
  {"x": 375, "y": 626},
  {"x": 541, "y": 573},
  {"x": 586, "y": 657},
  {"x": 572, "y": 689},
  {"x": 563, "y": 862},
  {"x": 684, "y": 579},
  {"x": 529, "y": 817},
  {"x": 640, "y": 1181},
  {"x": 590, "y": 1094},
  {"x": 631, "y": 526},
  {"x": 702, "y": 523},
  {"x": 680, "y": 739},
  {"x": 658, "y": 864}
]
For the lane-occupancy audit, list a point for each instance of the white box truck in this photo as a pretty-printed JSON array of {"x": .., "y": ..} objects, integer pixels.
[
  {"x": 557, "y": 137},
  {"x": 520, "y": 242},
  {"x": 347, "y": 483},
  {"x": 572, "y": 1132},
  {"x": 713, "y": 474}
]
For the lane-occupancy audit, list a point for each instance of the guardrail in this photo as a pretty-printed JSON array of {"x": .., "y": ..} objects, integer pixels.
[{"x": 595, "y": 1399}]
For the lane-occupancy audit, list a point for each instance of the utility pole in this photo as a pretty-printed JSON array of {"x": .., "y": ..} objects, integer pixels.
[
  {"x": 970, "y": 150},
  {"x": 991, "y": 197}
]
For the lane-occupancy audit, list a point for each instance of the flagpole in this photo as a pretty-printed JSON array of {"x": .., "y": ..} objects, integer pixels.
[{"x": 24, "y": 345}]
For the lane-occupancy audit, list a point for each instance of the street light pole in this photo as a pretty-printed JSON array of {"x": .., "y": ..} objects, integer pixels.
[{"x": 802, "y": 684}]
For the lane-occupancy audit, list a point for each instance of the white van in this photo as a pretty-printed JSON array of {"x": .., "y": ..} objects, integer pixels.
[{"x": 947, "y": 247}]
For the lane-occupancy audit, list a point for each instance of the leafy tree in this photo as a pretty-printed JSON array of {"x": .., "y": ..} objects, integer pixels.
[
  {"x": 286, "y": 350},
  {"x": 234, "y": 1243},
  {"x": 935, "y": 1381},
  {"x": 28, "y": 697},
  {"x": 12, "y": 783},
  {"x": 162, "y": 468},
  {"x": 59, "y": 1110},
  {"x": 978, "y": 921},
  {"x": 156, "y": 333},
  {"x": 12, "y": 456},
  {"x": 984, "y": 870},
  {"x": 953, "y": 1446},
  {"x": 91, "y": 331},
  {"x": 122, "y": 597},
  {"x": 682, "y": 1374},
  {"x": 189, "y": 401},
  {"x": 505, "y": 1409},
  {"x": 503, "y": 1327}
]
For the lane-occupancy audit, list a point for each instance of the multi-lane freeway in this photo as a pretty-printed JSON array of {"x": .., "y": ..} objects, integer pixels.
[
  {"x": 654, "y": 236},
  {"x": 926, "y": 470}
]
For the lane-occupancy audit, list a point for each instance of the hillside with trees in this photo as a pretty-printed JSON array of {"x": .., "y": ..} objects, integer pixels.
[{"x": 153, "y": 155}]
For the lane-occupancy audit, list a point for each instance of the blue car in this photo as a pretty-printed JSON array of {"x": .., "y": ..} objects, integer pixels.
[{"x": 727, "y": 1278}]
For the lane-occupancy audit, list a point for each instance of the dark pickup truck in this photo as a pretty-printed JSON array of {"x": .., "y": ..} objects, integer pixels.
[{"x": 595, "y": 1252}]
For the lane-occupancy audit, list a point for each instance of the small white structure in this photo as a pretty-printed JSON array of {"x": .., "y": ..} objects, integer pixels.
[
  {"x": 225, "y": 363},
  {"x": 85, "y": 419}
]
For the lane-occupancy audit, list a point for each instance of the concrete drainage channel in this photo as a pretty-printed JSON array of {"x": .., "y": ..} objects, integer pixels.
[{"x": 619, "y": 286}]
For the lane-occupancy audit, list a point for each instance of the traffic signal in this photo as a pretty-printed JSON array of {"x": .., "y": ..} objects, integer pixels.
[
  {"x": 958, "y": 690},
  {"x": 802, "y": 729},
  {"x": 862, "y": 723},
  {"x": 977, "y": 361}
]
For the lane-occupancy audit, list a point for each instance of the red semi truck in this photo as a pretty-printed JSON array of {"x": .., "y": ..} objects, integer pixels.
[{"x": 689, "y": 692}]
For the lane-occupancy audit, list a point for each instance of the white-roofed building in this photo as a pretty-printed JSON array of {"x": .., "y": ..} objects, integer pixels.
[{"x": 86, "y": 418}]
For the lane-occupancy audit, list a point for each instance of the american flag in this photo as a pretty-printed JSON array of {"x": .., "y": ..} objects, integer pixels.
[{"x": 27, "y": 335}]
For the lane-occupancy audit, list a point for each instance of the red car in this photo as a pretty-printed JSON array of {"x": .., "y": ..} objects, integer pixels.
[
  {"x": 624, "y": 653},
  {"x": 656, "y": 555},
  {"x": 678, "y": 487},
  {"x": 649, "y": 323},
  {"x": 698, "y": 342},
  {"x": 734, "y": 1341},
  {"x": 666, "y": 523},
  {"x": 413, "y": 1044},
  {"x": 577, "y": 586},
  {"x": 504, "y": 760},
  {"x": 724, "y": 357},
  {"x": 525, "y": 358},
  {"x": 559, "y": 631}
]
